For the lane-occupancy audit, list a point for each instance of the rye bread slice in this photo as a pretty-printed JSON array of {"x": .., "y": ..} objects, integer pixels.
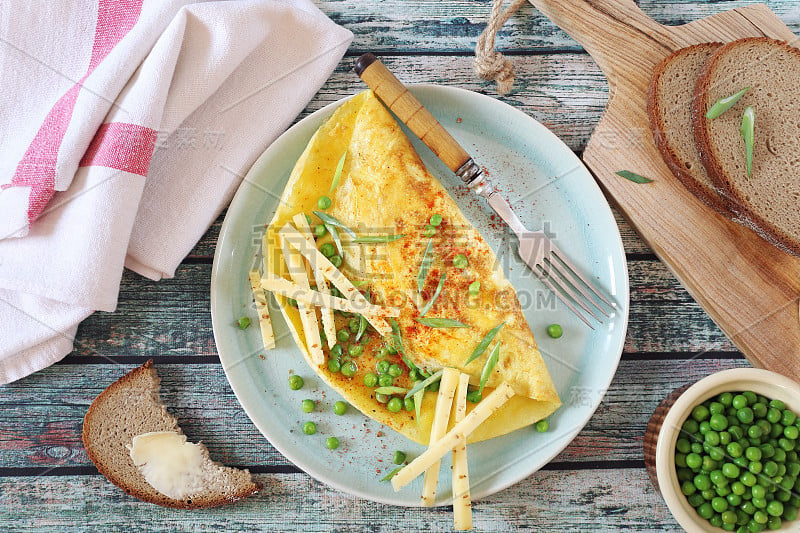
[
  {"x": 669, "y": 106},
  {"x": 768, "y": 200},
  {"x": 131, "y": 406}
]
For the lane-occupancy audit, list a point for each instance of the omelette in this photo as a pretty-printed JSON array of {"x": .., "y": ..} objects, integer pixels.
[{"x": 406, "y": 246}]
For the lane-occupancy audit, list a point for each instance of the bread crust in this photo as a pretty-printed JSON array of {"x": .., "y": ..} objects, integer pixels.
[
  {"x": 96, "y": 420},
  {"x": 669, "y": 154},
  {"x": 711, "y": 157}
]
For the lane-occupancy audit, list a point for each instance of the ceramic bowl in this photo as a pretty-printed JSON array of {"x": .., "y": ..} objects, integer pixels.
[{"x": 664, "y": 427}]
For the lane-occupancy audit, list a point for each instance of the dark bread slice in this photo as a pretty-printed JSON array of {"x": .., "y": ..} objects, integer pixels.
[
  {"x": 131, "y": 406},
  {"x": 669, "y": 106},
  {"x": 768, "y": 200}
]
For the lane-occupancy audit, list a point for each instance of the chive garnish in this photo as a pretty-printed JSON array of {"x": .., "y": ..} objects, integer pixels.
[
  {"x": 337, "y": 175},
  {"x": 748, "y": 133},
  {"x": 484, "y": 344},
  {"x": 377, "y": 239},
  {"x": 391, "y": 474},
  {"x": 336, "y": 239},
  {"x": 418, "y": 397},
  {"x": 436, "y": 294},
  {"x": 633, "y": 176},
  {"x": 397, "y": 342},
  {"x": 422, "y": 385},
  {"x": 390, "y": 390},
  {"x": 329, "y": 220},
  {"x": 362, "y": 321},
  {"x": 491, "y": 362},
  {"x": 425, "y": 265},
  {"x": 723, "y": 104},
  {"x": 441, "y": 322}
]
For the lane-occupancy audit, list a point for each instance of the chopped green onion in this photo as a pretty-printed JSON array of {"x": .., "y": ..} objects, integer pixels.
[
  {"x": 337, "y": 175},
  {"x": 372, "y": 239},
  {"x": 420, "y": 386},
  {"x": 391, "y": 390},
  {"x": 748, "y": 133},
  {"x": 723, "y": 104},
  {"x": 243, "y": 322},
  {"x": 634, "y": 177},
  {"x": 436, "y": 294},
  {"x": 427, "y": 259},
  {"x": 362, "y": 327},
  {"x": 441, "y": 322},
  {"x": 484, "y": 344},
  {"x": 474, "y": 288},
  {"x": 329, "y": 220},
  {"x": 491, "y": 362},
  {"x": 391, "y": 474}
]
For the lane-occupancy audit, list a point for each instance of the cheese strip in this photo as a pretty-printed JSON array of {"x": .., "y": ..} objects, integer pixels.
[
  {"x": 321, "y": 263},
  {"x": 460, "y": 431},
  {"x": 462, "y": 506},
  {"x": 260, "y": 297},
  {"x": 328, "y": 324},
  {"x": 308, "y": 315},
  {"x": 286, "y": 288},
  {"x": 441, "y": 417}
]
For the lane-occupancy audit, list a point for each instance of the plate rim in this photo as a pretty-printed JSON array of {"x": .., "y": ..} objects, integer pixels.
[{"x": 562, "y": 440}]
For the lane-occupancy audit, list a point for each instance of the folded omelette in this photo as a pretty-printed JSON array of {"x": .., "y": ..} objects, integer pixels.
[{"x": 447, "y": 271}]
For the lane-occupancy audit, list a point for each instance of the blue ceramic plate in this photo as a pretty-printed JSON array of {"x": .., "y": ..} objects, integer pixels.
[{"x": 548, "y": 187}]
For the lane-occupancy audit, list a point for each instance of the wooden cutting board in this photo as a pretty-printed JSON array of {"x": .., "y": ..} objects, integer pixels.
[{"x": 747, "y": 286}]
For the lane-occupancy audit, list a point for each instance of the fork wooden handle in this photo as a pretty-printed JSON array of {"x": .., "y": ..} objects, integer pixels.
[{"x": 399, "y": 99}]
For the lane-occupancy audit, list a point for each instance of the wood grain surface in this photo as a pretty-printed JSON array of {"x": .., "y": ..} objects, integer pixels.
[
  {"x": 598, "y": 483},
  {"x": 748, "y": 286}
]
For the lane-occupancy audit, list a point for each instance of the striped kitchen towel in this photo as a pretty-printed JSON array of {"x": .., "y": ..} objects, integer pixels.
[{"x": 125, "y": 128}]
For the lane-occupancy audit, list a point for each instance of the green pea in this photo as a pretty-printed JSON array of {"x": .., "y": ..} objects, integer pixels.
[
  {"x": 542, "y": 426},
  {"x": 694, "y": 461},
  {"x": 371, "y": 379},
  {"x": 320, "y": 230},
  {"x": 775, "y": 508},
  {"x": 690, "y": 427},
  {"x": 323, "y": 202},
  {"x": 702, "y": 482},
  {"x": 243, "y": 322},
  {"x": 349, "y": 369},
  {"x": 756, "y": 467},
  {"x": 748, "y": 479},
  {"x": 295, "y": 382},
  {"x": 688, "y": 488},
  {"x": 755, "y": 432},
  {"x": 474, "y": 288},
  {"x": 309, "y": 428},
  {"x": 337, "y": 350},
  {"x": 759, "y": 410},
  {"x": 394, "y": 405},
  {"x": 354, "y": 350},
  {"x": 399, "y": 457},
  {"x": 292, "y": 302},
  {"x": 777, "y": 404},
  {"x": 328, "y": 250},
  {"x": 336, "y": 260},
  {"x": 729, "y": 517},
  {"x": 791, "y": 432},
  {"x": 382, "y": 367},
  {"x": 735, "y": 449},
  {"x": 334, "y": 365},
  {"x": 774, "y": 414},
  {"x": 408, "y": 404},
  {"x": 788, "y": 418},
  {"x": 704, "y": 427},
  {"x": 700, "y": 413},
  {"x": 751, "y": 397},
  {"x": 719, "y": 504},
  {"x": 474, "y": 396},
  {"x": 730, "y": 470},
  {"x": 717, "y": 478},
  {"x": 413, "y": 375},
  {"x": 385, "y": 380},
  {"x": 683, "y": 445},
  {"x": 718, "y": 422},
  {"x": 770, "y": 468},
  {"x": 738, "y": 488},
  {"x": 332, "y": 443},
  {"x": 745, "y": 415},
  {"x": 381, "y": 352},
  {"x": 395, "y": 370},
  {"x": 739, "y": 402},
  {"x": 712, "y": 438},
  {"x": 308, "y": 406},
  {"x": 429, "y": 231},
  {"x": 436, "y": 219},
  {"x": 705, "y": 510},
  {"x": 340, "y": 408},
  {"x": 555, "y": 331},
  {"x": 460, "y": 261},
  {"x": 343, "y": 335}
]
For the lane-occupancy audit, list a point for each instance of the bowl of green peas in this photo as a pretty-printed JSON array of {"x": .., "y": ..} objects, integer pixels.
[{"x": 726, "y": 455}]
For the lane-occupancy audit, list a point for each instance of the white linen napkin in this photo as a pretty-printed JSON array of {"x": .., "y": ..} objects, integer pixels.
[{"x": 125, "y": 128}]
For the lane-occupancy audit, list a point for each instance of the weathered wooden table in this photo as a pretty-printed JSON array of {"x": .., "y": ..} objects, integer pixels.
[{"x": 599, "y": 482}]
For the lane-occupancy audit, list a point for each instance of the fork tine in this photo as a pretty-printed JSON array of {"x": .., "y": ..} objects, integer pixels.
[
  {"x": 564, "y": 283},
  {"x": 563, "y": 258},
  {"x": 561, "y": 297},
  {"x": 570, "y": 275}
]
